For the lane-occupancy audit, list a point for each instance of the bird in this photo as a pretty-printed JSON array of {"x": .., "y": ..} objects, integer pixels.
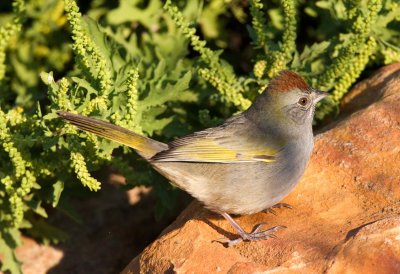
[{"x": 245, "y": 165}]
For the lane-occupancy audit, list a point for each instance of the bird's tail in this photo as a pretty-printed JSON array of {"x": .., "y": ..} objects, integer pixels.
[{"x": 145, "y": 146}]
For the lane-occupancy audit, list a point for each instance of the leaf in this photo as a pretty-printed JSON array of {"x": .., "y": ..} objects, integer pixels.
[
  {"x": 276, "y": 18},
  {"x": 311, "y": 11},
  {"x": 210, "y": 21},
  {"x": 9, "y": 240},
  {"x": 314, "y": 51},
  {"x": 108, "y": 47},
  {"x": 166, "y": 91},
  {"x": 46, "y": 232},
  {"x": 36, "y": 206},
  {"x": 128, "y": 11},
  {"x": 58, "y": 187},
  {"x": 65, "y": 206},
  {"x": 323, "y": 4},
  {"x": 393, "y": 15},
  {"x": 84, "y": 84},
  {"x": 311, "y": 60},
  {"x": 47, "y": 78},
  {"x": 151, "y": 122}
]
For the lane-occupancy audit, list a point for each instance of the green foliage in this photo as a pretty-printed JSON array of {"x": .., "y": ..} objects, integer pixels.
[{"x": 163, "y": 69}]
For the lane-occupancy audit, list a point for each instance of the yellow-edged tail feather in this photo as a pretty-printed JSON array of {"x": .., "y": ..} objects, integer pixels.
[{"x": 145, "y": 146}]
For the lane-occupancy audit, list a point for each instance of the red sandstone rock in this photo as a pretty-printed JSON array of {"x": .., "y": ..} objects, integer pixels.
[
  {"x": 374, "y": 248},
  {"x": 345, "y": 216}
]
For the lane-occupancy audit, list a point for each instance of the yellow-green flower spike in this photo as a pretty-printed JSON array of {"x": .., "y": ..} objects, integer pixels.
[
  {"x": 288, "y": 45},
  {"x": 223, "y": 83},
  {"x": 353, "y": 71},
  {"x": 131, "y": 119},
  {"x": 9, "y": 31},
  {"x": 79, "y": 165},
  {"x": 361, "y": 28},
  {"x": 86, "y": 50},
  {"x": 227, "y": 90},
  {"x": 21, "y": 174},
  {"x": 258, "y": 22},
  {"x": 260, "y": 68}
]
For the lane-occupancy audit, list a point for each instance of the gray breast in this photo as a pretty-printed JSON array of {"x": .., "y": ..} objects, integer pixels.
[{"x": 243, "y": 188}]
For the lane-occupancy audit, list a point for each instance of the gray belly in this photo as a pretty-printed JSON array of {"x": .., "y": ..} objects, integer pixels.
[{"x": 243, "y": 188}]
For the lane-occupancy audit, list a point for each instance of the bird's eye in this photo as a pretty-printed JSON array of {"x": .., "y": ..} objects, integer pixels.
[{"x": 303, "y": 101}]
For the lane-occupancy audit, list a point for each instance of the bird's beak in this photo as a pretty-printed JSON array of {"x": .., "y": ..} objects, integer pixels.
[{"x": 319, "y": 95}]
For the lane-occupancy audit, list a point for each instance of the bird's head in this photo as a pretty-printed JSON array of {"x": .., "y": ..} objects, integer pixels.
[{"x": 288, "y": 100}]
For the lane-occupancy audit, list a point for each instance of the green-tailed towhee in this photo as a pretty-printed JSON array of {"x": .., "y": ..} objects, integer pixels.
[{"x": 247, "y": 164}]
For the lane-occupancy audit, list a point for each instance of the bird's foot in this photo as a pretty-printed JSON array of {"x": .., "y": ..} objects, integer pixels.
[
  {"x": 255, "y": 235},
  {"x": 280, "y": 205}
]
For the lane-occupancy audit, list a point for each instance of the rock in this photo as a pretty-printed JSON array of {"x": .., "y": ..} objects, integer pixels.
[
  {"x": 368, "y": 91},
  {"x": 37, "y": 258},
  {"x": 345, "y": 216},
  {"x": 372, "y": 248}
]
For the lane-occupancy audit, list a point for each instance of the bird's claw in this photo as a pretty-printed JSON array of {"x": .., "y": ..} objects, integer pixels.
[
  {"x": 269, "y": 210},
  {"x": 229, "y": 242},
  {"x": 255, "y": 235},
  {"x": 280, "y": 205}
]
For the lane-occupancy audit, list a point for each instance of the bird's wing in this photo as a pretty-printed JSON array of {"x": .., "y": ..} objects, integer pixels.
[{"x": 232, "y": 142}]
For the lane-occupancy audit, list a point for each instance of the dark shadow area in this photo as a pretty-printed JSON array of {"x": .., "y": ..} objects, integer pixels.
[
  {"x": 206, "y": 216},
  {"x": 354, "y": 231},
  {"x": 203, "y": 215},
  {"x": 223, "y": 232},
  {"x": 116, "y": 226}
]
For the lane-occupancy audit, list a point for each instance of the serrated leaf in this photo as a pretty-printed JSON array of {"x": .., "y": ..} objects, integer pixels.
[
  {"x": 99, "y": 38},
  {"x": 84, "y": 84},
  {"x": 151, "y": 125},
  {"x": 314, "y": 51},
  {"x": 166, "y": 91}
]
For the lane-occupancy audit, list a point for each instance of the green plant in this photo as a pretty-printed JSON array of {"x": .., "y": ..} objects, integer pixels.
[{"x": 143, "y": 65}]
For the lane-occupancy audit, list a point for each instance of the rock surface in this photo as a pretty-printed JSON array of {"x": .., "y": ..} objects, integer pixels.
[{"x": 346, "y": 208}]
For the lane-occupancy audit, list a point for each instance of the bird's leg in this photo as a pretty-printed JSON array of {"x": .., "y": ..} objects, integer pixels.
[
  {"x": 255, "y": 235},
  {"x": 280, "y": 205}
]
